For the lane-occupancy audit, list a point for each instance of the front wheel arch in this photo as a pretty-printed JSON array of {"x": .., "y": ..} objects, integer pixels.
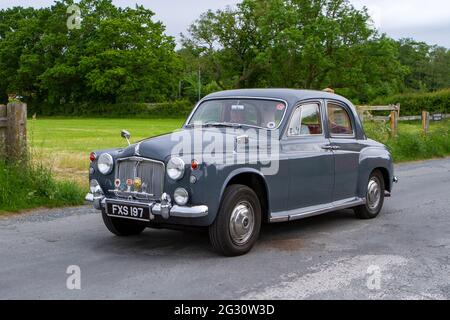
[{"x": 255, "y": 181}]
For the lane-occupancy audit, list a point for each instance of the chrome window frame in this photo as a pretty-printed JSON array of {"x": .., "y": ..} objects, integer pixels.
[
  {"x": 242, "y": 98},
  {"x": 350, "y": 117},
  {"x": 299, "y": 106},
  {"x": 317, "y": 101}
]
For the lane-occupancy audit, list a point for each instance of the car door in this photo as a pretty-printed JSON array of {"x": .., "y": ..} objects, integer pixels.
[
  {"x": 311, "y": 167},
  {"x": 346, "y": 149}
]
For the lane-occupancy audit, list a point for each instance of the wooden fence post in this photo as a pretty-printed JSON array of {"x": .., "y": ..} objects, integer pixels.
[
  {"x": 425, "y": 122},
  {"x": 394, "y": 123},
  {"x": 16, "y": 132}
]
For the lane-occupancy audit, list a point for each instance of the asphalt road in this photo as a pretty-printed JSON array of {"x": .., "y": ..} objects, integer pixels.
[{"x": 404, "y": 254}]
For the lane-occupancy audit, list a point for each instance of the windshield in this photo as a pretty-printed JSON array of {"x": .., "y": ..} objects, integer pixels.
[{"x": 266, "y": 114}]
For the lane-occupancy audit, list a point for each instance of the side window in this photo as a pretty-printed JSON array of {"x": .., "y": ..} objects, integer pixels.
[
  {"x": 339, "y": 120},
  {"x": 306, "y": 121}
]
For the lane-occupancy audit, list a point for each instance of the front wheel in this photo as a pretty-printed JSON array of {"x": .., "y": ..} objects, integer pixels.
[
  {"x": 237, "y": 226},
  {"x": 121, "y": 227},
  {"x": 374, "y": 197}
]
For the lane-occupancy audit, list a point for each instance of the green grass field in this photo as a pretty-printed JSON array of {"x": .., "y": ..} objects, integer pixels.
[{"x": 64, "y": 144}]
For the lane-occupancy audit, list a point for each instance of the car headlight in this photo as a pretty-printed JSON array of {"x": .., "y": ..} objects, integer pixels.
[
  {"x": 181, "y": 196},
  {"x": 175, "y": 168},
  {"x": 105, "y": 163}
]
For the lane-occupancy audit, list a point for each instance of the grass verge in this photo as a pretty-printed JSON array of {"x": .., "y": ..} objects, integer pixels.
[
  {"x": 26, "y": 186},
  {"x": 411, "y": 144}
]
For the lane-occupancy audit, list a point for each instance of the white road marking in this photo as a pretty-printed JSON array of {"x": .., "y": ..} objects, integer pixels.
[{"x": 329, "y": 277}]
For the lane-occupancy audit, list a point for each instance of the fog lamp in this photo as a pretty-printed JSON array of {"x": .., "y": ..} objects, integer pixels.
[{"x": 181, "y": 196}]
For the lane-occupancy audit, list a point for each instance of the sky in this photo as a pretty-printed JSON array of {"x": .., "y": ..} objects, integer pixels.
[{"x": 423, "y": 20}]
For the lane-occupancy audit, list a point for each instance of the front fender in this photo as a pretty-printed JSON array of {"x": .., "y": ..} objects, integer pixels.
[{"x": 239, "y": 171}]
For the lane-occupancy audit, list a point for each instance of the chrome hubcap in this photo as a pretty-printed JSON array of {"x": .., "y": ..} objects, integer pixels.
[
  {"x": 373, "y": 193},
  {"x": 242, "y": 223}
]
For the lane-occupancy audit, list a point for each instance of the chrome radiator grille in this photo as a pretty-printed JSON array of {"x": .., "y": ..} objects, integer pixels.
[{"x": 150, "y": 172}]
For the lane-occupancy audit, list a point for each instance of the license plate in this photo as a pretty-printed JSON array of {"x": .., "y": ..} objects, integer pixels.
[{"x": 128, "y": 211}]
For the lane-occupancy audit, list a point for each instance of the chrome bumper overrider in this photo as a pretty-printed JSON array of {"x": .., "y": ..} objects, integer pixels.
[{"x": 164, "y": 209}]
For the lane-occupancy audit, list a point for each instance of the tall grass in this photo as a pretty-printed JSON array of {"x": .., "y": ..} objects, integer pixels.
[
  {"x": 411, "y": 144},
  {"x": 30, "y": 185}
]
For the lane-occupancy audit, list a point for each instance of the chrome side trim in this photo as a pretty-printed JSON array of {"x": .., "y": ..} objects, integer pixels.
[{"x": 302, "y": 213}]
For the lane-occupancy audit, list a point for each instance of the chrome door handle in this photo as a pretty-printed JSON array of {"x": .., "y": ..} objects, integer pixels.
[{"x": 330, "y": 147}]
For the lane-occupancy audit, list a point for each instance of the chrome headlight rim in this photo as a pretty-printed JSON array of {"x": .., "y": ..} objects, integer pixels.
[
  {"x": 181, "y": 196},
  {"x": 175, "y": 168},
  {"x": 105, "y": 163}
]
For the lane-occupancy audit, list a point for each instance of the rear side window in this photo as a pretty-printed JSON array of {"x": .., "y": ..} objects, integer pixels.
[
  {"x": 339, "y": 121},
  {"x": 306, "y": 121}
]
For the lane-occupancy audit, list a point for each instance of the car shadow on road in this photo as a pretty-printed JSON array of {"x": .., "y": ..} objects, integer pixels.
[
  {"x": 288, "y": 236},
  {"x": 295, "y": 235}
]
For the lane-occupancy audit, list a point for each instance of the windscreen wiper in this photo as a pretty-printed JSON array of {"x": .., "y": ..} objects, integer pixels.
[
  {"x": 222, "y": 124},
  {"x": 216, "y": 125}
]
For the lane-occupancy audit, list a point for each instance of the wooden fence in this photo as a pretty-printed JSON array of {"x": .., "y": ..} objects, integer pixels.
[
  {"x": 364, "y": 113},
  {"x": 13, "y": 130}
]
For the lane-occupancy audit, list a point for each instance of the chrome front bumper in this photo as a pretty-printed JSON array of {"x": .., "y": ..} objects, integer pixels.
[{"x": 164, "y": 209}]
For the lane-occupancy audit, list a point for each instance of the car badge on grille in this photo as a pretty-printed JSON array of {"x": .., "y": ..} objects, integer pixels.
[
  {"x": 123, "y": 186},
  {"x": 129, "y": 184},
  {"x": 137, "y": 184},
  {"x": 117, "y": 183}
]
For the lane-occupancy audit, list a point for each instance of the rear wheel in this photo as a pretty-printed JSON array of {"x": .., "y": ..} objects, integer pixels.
[
  {"x": 237, "y": 226},
  {"x": 374, "y": 197},
  {"x": 121, "y": 227}
]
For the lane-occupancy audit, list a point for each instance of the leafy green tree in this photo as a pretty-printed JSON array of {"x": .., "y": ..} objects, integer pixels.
[
  {"x": 439, "y": 68},
  {"x": 298, "y": 43},
  {"x": 117, "y": 55},
  {"x": 415, "y": 56}
]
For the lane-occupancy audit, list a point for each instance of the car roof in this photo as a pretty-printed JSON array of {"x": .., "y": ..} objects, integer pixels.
[{"x": 292, "y": 96}]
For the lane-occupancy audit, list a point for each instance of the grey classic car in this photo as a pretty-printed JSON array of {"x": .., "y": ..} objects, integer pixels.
[{"x": 243, "y": 158}]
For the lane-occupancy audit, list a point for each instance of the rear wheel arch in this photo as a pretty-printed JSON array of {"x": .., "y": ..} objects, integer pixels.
[
  {"x": 370, "y": 160},
  {"x": 374, "y": 197},
  {"x": 385, "y": 173}
]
